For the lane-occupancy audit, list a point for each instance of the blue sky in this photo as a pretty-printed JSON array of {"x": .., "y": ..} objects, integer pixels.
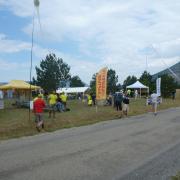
[{"x": 90, "y": 34}]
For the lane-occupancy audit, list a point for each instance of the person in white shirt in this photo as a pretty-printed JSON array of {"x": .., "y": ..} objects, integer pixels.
[
  {"x": 136, "y": 94},
  {"x": 154, "y": 101}
]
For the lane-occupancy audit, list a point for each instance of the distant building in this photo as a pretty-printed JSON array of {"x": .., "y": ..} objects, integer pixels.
[
  {"x": 73, "y": 90},
  {"x": 175, "y": 68}
]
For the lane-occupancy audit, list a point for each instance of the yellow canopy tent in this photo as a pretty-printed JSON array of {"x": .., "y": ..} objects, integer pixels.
[
  {"x": 20, "y": 89},
  {"x": 18, "y": 85}
]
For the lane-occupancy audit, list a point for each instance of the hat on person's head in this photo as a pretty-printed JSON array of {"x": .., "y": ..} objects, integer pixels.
[{"x": 40, "y": 95}]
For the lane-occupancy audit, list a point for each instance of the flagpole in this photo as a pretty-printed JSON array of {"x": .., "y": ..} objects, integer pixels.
[{"x": 31, "y": 61}]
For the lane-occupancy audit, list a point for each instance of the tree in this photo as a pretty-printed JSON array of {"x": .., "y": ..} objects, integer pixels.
[
  {"x": 93, "y": 84},
  {"x": 168, "y": 85},
  {"x": 129, "y": 80},
  {"x": 118, "y": 87},
  {"x": 76, "y": 82},
  {"x": 52, "y": 70},
  {"x": 146, "y": 79},
  {"x": 112, "y": 80},
  {"x": 34, "y": 82}
]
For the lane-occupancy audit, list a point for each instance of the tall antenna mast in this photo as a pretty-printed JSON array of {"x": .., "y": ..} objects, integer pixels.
[
  {"x": 146, "y": 64},
  {"x": 36, "y": 5}
]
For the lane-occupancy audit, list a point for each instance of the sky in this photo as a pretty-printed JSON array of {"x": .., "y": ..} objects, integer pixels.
[{"x": 129, "y": 36}]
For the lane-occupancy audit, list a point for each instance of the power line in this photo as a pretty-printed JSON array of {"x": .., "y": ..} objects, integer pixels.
[{"x": 171, "y": 71}]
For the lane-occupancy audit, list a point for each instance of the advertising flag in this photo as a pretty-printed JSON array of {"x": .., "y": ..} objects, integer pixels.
[
  {"x": 158, "y": 86},
  {"x": 101, "y": 84}
]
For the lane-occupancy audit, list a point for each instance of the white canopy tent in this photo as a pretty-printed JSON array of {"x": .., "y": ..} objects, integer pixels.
[
  {"x": 138, "y": 85},
  {"x": 72, "y": 90}
]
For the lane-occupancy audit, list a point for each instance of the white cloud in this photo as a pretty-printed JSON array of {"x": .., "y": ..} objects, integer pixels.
[
  {"x": 11, "y": 46},
  {"x": 5, "y": 65},
  {"x": 21, "y": 8},
  {"x": 13, "y": 70},
  {"x": 114, "y": 32}
]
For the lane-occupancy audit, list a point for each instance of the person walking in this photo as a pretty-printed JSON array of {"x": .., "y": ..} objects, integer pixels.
[
  {"x": 125, "y": 104},
  {"x": 118, "y": 98},
  {"x": 173, "y": 94},
  {"x": 154, "y": 102},
  {"x": 38, "y": 107},
  {"x": 52, "y": 104}
]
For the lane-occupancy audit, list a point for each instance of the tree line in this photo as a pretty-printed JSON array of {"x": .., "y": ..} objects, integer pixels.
[{"x": 53, "y": 73}]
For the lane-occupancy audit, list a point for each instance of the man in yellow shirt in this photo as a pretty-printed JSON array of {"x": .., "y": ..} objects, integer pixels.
[
  {"x": 89, "y": 99},
  {"x": 52, "y": 103},
  {"x": 63, "y": 97}
]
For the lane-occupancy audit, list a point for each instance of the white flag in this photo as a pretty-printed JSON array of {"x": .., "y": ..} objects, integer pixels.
[{"x": 158, "y": 86}]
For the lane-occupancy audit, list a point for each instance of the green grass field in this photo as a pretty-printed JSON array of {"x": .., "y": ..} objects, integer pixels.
[
  {"x": 177, "y": 177},
  {"x": 15, "y": 122}
]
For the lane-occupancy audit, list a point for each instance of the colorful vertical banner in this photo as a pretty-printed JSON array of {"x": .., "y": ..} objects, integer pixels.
[
  {"x": 101, "y": 84},
  {"x": 158, "y": 86}
]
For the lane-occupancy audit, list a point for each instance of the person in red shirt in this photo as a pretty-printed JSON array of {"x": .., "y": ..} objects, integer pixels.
[{"x": 38, "y": 107}]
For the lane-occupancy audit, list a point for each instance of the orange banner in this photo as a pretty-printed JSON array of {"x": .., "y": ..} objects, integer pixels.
[{"x": 101, "y": 84}]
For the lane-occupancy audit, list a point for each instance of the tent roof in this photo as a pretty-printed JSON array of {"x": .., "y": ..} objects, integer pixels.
[
  {"x": 137, "y": 85},
  {"x": 18, "y": 84},
  {"x": 72, "y": 90}
]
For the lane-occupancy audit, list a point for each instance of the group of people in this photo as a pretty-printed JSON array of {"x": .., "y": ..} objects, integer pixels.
[
  {"x": 131, "y": 93},
  {"x": 120, "y": 99},
  {"x": 56, "y": 102},
  {"x": 121, "y": 102}
]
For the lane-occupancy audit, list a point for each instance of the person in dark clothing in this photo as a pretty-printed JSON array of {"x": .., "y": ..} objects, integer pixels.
[
  {"x": 118, "y": 98},
  {"x": 173, "y": 94},
  {"x": 59, "y": 104},
  {"x": 93, "y": 99}
]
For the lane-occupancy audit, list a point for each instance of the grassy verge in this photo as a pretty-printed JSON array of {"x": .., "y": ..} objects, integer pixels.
[
  {"x": 177, "y": 177},
  {"x": 15, "y": 122}
]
